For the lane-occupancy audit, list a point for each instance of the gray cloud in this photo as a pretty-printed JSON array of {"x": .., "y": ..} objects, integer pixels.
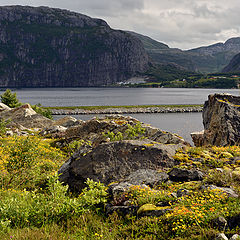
[{"x": 179, "y": 23}]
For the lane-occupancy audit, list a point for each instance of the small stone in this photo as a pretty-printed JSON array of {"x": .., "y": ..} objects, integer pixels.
[
  {"x": 182, "y": 192},
  {"x": 220, "y": 223},
  {"x": 221, "y": 236},
  {"x": 182, "y": 175},
  {"x": 235, "y": 237}
]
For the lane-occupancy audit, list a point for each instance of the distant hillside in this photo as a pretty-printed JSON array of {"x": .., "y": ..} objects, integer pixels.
[
  {"x": 206, "y": 59},
  {"x": 234, "y": 65},
  {"x": 47, "y": 47},
  {"x": 149, "y": 43}
]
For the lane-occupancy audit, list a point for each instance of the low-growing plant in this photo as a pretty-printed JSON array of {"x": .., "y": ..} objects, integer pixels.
[
  {"x": 46, "y": 112},
  {"x": 132, "y": 132},
  {"x": 135, "y": 131},
  {"x": 31, "y": 208}
]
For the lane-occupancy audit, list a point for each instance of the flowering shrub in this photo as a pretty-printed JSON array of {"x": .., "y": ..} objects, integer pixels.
[{"x": 27, "y": 161}]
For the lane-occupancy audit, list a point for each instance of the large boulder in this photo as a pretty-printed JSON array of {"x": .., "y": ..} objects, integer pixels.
[
  {"x": 26, "y": 117},
  {"x": 113, "y": 161},
  {"x": 221, "y": 120}
]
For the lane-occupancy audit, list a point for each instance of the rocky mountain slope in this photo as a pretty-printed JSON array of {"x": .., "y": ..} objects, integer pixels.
[
  {"x": 234, "y": 65},
  {"x": 203, "y": 59},
  {"x": 46, "y": 47}
]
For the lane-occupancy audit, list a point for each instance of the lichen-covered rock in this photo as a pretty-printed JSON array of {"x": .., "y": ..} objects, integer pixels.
[
  {"x": 152, "y": 210},
  {"x": 221, "y": 120},
  {"x": 113, "y": 161}
]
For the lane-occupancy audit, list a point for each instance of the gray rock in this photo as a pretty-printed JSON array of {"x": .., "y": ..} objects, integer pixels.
[
  {"x": 182, "y": 192},
  {"x": 68, "y": 121},
  {"x": 161, "y": 136},
  {"x": 220, "y": 223},
  {"x": 4, "y": 107},
  {"x": 118, "y": 189},
  {"x": 221, "y": 120},
  {"x": 146, "y": 176},
  {"x": 114, "y": 161},
  {"x": 221, "y": 236},
  {"x": 234, "y": 222},
  {"x": 197, "y": 138},
  {"x": 54, "y": 131},
  {"x": 235, "y": 237},
  {"x": 181, "y": 175},
  {"x": 229, "y": 191},
  {"x": 26, "y": 117},
  {"x": 123, "y": 210}
]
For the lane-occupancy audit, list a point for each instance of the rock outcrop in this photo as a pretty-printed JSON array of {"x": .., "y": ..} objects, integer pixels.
[
  {"x": 221, "y": 120},
  {"x": 25, "y": 116},
  {"x": 47, "y": 47}
]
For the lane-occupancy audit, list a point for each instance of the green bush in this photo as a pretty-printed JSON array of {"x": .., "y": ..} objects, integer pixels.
[
  {"x": 43, "y": 111},
  {"x": 10, "y": 99},
  {"x": 25, "y": 208}
]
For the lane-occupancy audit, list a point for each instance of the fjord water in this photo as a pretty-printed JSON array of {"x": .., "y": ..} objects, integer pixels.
[{"x": 115, "y": 96}]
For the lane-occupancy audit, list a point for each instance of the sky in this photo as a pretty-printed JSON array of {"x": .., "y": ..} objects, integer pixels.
[{"x": 181, "y": 24}]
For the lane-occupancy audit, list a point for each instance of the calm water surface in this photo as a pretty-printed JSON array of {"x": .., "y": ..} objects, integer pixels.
[{"x": 115, "y": 96}]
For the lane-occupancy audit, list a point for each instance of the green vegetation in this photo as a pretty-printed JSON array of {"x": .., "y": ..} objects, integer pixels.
[
  {"x": 132, "y": 132},
  {"x": 10, "y": 99},
  {"x": 46, "y": 112},
  {"x": 173, "y": 77},
  {"x": 35, "y": 205}
]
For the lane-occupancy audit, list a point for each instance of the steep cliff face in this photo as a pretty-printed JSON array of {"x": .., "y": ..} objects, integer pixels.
[
  {"x": 45, "y": 47},
  {"x": 234, "y": 65}
]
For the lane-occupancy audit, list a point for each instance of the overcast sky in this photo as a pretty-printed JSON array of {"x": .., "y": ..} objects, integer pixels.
[{"x": 179, "y": 23}]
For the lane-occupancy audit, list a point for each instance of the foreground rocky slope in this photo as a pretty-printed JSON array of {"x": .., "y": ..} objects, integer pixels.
[
  {"x": 156, "y": 185},
  {"x": 46, "y": 47}
]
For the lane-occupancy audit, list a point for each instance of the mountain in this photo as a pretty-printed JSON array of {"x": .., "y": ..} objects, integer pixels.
[
  {"x": 47, "y": 47},
  {"x": 149, "y": 43},
  {"x": 203, "y": 59},
  {"x": 234, "y": 65}
]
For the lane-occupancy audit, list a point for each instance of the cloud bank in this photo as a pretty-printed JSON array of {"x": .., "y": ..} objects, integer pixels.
[{"x": 179, "y": 23}]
